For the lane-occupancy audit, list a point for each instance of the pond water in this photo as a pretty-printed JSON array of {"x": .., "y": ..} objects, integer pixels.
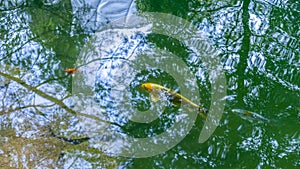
[{"x": 221, "y": 55}]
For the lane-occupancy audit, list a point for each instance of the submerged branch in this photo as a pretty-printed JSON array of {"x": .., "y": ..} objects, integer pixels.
[{"x": 53, "y": 99}]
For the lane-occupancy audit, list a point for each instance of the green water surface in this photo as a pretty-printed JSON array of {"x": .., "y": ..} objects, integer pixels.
[{"x": 259, "y": 51}]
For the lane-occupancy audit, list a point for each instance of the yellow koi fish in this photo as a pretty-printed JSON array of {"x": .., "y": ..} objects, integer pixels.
[
  {"x": 156, "y": 90},
  {"x": 250, "y": 116}
]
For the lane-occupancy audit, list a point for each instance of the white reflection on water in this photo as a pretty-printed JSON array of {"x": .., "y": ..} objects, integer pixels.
[{"x": 254, "y": 141}]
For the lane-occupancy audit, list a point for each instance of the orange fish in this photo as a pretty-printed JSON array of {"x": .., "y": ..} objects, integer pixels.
[{"x": 71, "y": 70}]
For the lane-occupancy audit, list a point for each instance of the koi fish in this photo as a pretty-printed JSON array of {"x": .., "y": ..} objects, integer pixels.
[
  {"x": 156, "y": 91},
  {"x": 71, "y": 70},
  {"x": 250, "y": 116}
]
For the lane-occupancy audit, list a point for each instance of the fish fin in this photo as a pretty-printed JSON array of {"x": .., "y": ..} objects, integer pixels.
[
  {"x": 154, "y": 97},
  {"x": 203, "y": 115},
  {"x": 203, "y": 112},
  {"x": 247, "y": 118}
]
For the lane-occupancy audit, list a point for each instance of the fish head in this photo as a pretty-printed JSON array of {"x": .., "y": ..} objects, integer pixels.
[
  {"x": 238, "y": 111},
  {"x": 246, "y": 115},
  {"x": 147, "y": 86},
  {"x": 155, "y": 91},
  {"x": 242, "y": 112}
]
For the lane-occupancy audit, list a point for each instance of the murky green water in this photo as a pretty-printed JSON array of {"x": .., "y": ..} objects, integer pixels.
[{"x": 52, "y": 119}]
